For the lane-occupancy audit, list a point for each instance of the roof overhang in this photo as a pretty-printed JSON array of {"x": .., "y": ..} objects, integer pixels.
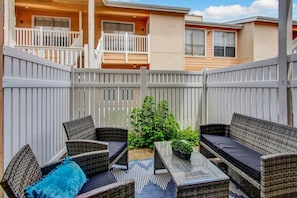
[
  {"x": 146, "y": 7},
  {"x": 256, "y": 19},
  {"x": 217, "y": 25}
]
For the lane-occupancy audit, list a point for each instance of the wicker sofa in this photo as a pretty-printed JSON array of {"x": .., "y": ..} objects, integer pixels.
[
  {"x": 84, "y": 137},
  {"x": 24, "y": 170},
  {"x": 261, "y": 152}
]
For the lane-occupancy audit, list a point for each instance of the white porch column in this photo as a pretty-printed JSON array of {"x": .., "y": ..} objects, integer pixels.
[
  {"x": 91, "y": 34},
  {"x": 9, "y": 22},
  {"x": 285, "y": 48}
]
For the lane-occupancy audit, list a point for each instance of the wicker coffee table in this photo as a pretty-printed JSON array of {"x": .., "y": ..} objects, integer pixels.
[{"x": 197, "y": 177}]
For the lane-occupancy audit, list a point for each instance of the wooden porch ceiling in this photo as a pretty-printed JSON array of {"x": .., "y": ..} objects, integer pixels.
[{"x": 81, "y": 5}]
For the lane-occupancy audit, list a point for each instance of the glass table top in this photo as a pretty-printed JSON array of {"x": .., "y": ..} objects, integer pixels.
[{"x": 185, "y": 172}]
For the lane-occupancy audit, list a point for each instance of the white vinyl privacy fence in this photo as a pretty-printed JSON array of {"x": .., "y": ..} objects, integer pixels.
[
  {"x": 251, "y": 89},
  {"x": 110, "y": 95},
  {"x": 40, "y": 95},
  {"x": 36, "y": 102}
]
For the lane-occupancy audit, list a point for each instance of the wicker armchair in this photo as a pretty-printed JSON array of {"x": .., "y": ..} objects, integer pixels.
[
  {"x": 24, "y": 170},
  {"x": 84, "y": 137}
]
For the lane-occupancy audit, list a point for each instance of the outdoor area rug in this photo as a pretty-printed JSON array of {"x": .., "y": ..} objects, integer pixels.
[{"x": 149, "y": 185}]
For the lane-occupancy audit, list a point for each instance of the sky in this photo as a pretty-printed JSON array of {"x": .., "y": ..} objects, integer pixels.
[{"x": 223, "y": 10}]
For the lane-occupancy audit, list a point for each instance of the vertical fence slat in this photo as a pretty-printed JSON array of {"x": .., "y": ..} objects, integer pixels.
[{"x": 27, "y": 106}]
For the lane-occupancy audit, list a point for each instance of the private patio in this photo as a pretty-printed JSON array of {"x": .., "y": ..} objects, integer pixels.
[{"x": 39, "y": 95}]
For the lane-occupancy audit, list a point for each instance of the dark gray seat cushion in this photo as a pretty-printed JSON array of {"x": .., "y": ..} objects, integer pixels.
[
  {"x": 97, "y": 181},
  {"x": 239, "y": 155},
  {"x": 115, "y": 148}
]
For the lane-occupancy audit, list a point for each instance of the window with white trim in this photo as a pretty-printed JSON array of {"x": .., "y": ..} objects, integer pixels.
[
  {"x": 55, "y": 31},
  {"x": 224, "y": 44},
  {"x": 54, "y": 23},
  {"x": 117, "y": 27},
  {"x": 195, "y": 42}
]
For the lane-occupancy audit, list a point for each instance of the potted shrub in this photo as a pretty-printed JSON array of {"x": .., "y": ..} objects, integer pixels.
[{"x": 182, "y": 149}]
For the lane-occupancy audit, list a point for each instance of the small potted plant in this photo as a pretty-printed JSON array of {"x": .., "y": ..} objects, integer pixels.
[{"x": 182, "y": 149}]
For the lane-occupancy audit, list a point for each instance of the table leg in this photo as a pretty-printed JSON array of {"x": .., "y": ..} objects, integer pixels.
[{"x": 157, "y": 161}]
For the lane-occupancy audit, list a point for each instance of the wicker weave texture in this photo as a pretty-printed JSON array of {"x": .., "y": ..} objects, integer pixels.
[
  {"x": 263, "y": 136},
  {"x": 279, "y": 175},
  {"x": 23, "y": 170},
  {"x": 75, "y": 147},
  {"x": 123, "y": 189},
  {"x": 82, "y": 129},
  {"x": 277, "y": 143},
  {"x": 112, "y": 134},
  {"x": 219, "y": 189}
]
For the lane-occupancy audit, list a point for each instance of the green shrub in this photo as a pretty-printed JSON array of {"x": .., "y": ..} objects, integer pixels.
[
  {"x": 152, "y": 123},
  {"x": 189, "y": 135},
  {"x": 135, "y": 141}
]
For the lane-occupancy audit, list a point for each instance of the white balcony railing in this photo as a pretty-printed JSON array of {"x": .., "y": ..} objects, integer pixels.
[
  {"x": 69, "y": 56},
  {"x": 65, "y": 47},
  {"x": 99, "y": 52},
  {"x": 44, "y": 37},
  {"x": 62, "y": 47},
  {"x": 122, "y": 43},
  {"x": 125, "y": 43}
]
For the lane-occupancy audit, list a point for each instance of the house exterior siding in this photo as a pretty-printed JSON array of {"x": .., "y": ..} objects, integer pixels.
[
  {"x": 265, "y": 41},
  {"x": 246, "y": 44},
  {"x": 165, "y": 31},
  {"x": 167, "y": 41},
  {"x": 24, "y": 17},
  {"x": 209, "y": 61}
]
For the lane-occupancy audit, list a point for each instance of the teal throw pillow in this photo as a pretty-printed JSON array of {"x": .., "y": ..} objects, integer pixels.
[{"x": 64, "y": 181}]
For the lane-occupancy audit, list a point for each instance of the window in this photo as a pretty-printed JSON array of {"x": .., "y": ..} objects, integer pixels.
[
  {"x": 117, "y": 28},
  {"x": 54, "y": 31},
  {"x": 224, "y": 44},
  {"x": 117, "y": 41},
  {"x": 195, "y": 42},
  {"x": 52, "y": 23}
]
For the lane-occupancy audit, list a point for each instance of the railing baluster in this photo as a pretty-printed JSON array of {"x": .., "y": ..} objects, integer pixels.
[{"x": 42, "y": 37}]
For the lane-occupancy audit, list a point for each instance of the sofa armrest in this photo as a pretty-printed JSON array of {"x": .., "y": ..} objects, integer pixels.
[
  {"x": 215, "y": 129},
  {"x": 91, "y": 163},
  {"x": 279, "y": 175},
  {"x": 78, "y": 146},
  {"x": 112, "y": 134},
  {"x": 118, "y": 189}
]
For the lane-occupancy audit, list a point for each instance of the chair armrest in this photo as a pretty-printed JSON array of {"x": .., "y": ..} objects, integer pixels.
[
  {"x": 112, "y": 134},
  {"x": 118, "y": 189},
  {"x": 78, "y": 146},
  {"x": 91, "y": 163},
  {"x": 215, "y": 129},
  {"x": 279, "y": 175}
]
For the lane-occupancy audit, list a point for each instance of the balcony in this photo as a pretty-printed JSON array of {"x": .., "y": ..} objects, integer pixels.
[
  {"x": 62, "y": 47},
  {"x": 66, "y": 47},
  {"x": 123, "y": 49}
]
